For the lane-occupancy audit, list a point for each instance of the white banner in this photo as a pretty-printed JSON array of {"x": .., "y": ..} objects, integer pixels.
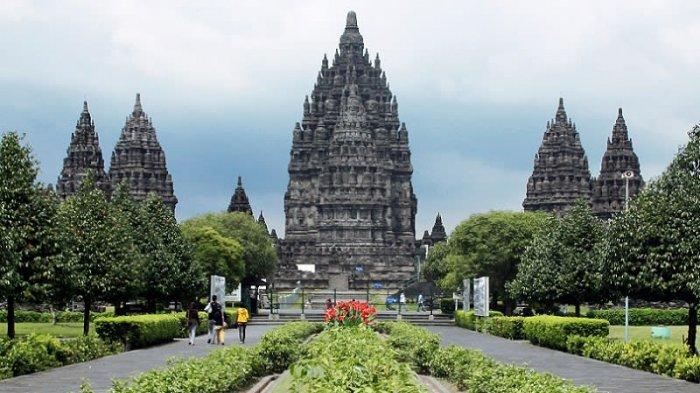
[
  {"x": 481, "y": 296},
  {"x": 218, "y": 288},
  {"x": 466, "y": 294},
  {"x": 234, "y": 296}
]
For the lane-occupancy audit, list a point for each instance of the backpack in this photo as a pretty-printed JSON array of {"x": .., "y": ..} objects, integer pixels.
[{"x": 215, "y": 314}]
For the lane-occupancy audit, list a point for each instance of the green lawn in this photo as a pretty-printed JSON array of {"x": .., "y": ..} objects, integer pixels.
[
  {"x": 67, "y": 329},
  {"x": 644, "y": 333}
]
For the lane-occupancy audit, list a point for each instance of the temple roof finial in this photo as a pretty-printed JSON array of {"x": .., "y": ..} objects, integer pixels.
[
  {"x": 85, "y": 106},
  {"x": 240, "y": 183},
  {"x": 351, "y": 20},
  {"x": 137, "y": 105},
  {"x": 561, "y": 112}
]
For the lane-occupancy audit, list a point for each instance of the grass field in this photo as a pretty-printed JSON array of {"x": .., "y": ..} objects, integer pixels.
[
  {"x": 644, "y": 333},
  {"x": 68, "y": 329}
]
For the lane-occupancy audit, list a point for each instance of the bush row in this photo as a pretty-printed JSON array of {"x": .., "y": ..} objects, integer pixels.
[
  {"x": 470, "y": 370},
  {"x": 672, "y": 360},
  {"x": 352, "y": 359},
  {"x": 225, "y": 370},
  {"x": 202, "y": 328},
  {"x": 37, "y": 352},
  {"x": 138, "y": 331},
  {"x": 508, "y": 327},
  {"x": 469, "y": 320},
  {"x": 552, "y": 332},
  {"x": 642, "y": 316},
  {"x": 61, "y": 316}
]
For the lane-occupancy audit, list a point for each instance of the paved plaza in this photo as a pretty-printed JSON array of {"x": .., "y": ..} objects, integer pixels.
[
  {"x": 101, "y": 371},
  {"x": 582, "y": 371}
]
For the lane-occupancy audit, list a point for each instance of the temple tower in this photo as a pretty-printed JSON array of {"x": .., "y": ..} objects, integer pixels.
[
  {"x": 84, "y": 154},
  {"x": 349, "y": 201},
  {"x": 139, "y": 159},
  {"x": 239, "y": 200},
  {"x": 619, "y": 157},
  {"x": 560, "y": 176},
  {"x": 438, "y": 234}
]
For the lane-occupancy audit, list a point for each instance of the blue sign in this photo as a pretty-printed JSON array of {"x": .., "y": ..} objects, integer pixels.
[
  {"x": 359, "y": 268},
  {"x": 377, "y": 285}
]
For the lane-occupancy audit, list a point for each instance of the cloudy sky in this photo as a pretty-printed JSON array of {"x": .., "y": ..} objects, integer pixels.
[{"x": 476, "y": 84}]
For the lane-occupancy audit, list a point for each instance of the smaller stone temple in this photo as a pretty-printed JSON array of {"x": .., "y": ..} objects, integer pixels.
[
  {"x": 239, "y": 200},
  {"x": 84, "y": 154},
  {"x": 561, "y": 177},
  {"x": 437, "y": 235},
  {"x": 619, "y": 157},
  {"x": 139, "y": 159}
]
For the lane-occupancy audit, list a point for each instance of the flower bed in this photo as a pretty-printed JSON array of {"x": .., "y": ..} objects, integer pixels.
[
  {"x": 352, "y": 360},
  {"x": 228, "y": 369},
  {"x": 672, "y": 360},
  {"x": 350, "y": 313},
  {"x": 642, "y": 316},
  {"x": 37, "y": 352}
]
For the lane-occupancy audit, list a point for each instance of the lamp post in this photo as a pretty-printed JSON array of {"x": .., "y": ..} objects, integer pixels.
[{"x": 627, "y": 175}]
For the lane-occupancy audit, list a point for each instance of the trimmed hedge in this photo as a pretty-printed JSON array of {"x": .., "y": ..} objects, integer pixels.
[
  {"x": 139, "y": 331},
  {"x": 473, "y": 372},
  {"x": 642, "y": 316},
  {"x": 550, "y": 331},
  {"x": 508, "y": 327},
  {"x": 414, "y": 345},
  {"x": 46, "y": 317},
  {"x": 469, "y": 320},
  {"x": 37, "y": 352},
  {"x": 202, "y": 328},
  {"x": 672, "y": 360},
  {"x": 228, "y": 369},
  {"x": 447, "y": 306}
]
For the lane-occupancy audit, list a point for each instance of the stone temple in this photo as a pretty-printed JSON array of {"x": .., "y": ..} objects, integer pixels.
[
  {"x": 561, "y": 176},
  {"x": 349, "y": 206},
  {"x": 84, "y": 154},
  {"x": 139, "y": 159}
]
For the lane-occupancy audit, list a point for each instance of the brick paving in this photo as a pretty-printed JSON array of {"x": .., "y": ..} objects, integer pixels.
[
  {"x": 100, "y": 372},
  {"x": 582, "y": 371}
]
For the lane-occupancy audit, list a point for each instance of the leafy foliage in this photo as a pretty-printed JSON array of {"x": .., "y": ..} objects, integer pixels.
[
  {"x": 643, "y": 316},
  {"x": 414, "y": 345},
  {"x": 492, "y": 244},
  {"x": 216, "y": 254},
  {"x": 138, "y": 331},
  {"x": 28, "y": 239},
  {"x": 508, "y": 327},
  {"x": 563, "y": 263},
  {"x": 550, "y": 331},
  {"x": 469, "y": 320},
  {"x": 654, "y": 248},
  {"x": 258, "y": 253}
]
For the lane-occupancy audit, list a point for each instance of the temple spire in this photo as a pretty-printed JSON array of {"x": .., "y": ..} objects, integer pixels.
[
  {"x": 351, "y": 21},
  {"x": 85, "y": 118},
  {"x": 239, "y": 200},
  {"x": 138, "y": 110},
  {"x": 561, "y": 112}
]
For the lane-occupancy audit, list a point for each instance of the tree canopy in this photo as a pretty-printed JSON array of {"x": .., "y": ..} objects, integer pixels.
[
  {"x": 654, "y": 249},
  {"x": 258, "y": 252},
  {"x": 216, "y": 254}
]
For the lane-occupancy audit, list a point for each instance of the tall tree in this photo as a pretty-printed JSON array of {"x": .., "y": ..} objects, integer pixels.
[
  {"x": 654, "y": 248},
  {"x": 436, "y": 266},
  {"x": 98, "y": 246},
  {"x": 563, "y": 264},
  {"x": 492, "y": 244},
  {"x": 258, "y": 253},
  {"x": 170, "y": 272},
  {"x": 216, "y": 254},
  {"x": 28, "y": 239}
]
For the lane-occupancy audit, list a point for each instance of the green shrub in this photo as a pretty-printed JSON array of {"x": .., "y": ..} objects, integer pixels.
[
  {"x": 282, "y": 347},
  {"x": 473, "y": 372},
  {"x": 37, "y": 352},
  {"x": 666, "y": 359},
  {"x": 508, "y": 327},
  {"x": 228, "y": 369},
  {"x": 447, "y": 306},
  {"x": 550, "y": 331},
  {"x": 352, "y": 359},
  {"x": 642, "y": 316},
  {"x": 202, "y": 328},
  {"x": 469, "y": 320},
  {"x": 413, "y": 345},
  {"x": 139, "y": 331},
  {"x": 688, "y": 369}
]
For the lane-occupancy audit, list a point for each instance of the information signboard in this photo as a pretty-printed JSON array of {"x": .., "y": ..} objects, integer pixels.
[
  {"x": 481, "y": 296},
  {"x": 466, "y": 294}
]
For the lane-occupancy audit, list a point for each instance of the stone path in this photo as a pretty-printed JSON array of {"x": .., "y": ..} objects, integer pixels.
[
  {"x": 101, "y": 371},
  {"x": 582, "y": 371}
]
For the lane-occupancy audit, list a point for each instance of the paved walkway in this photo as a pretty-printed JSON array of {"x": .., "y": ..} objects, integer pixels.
[
  {"x": 582, "y": 371},
  {"x": 101, "y": 371}
]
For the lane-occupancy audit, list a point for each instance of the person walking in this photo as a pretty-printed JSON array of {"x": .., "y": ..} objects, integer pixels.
[
  {"x": 420, "y": 302},
  {"x": 211, "y": 322},
  {"x": 192, "y": 321},
  {"x": 242, "y": 317}
]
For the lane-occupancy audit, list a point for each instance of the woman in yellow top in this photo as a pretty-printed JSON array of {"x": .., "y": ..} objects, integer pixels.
[{"x": 242, "y": 320}]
